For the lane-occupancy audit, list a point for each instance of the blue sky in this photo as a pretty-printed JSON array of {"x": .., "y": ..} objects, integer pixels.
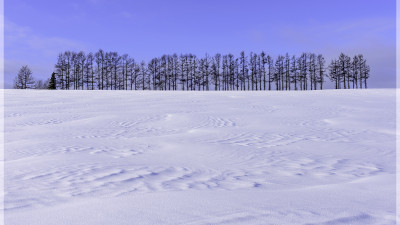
[{"x": 37, "y": 30}]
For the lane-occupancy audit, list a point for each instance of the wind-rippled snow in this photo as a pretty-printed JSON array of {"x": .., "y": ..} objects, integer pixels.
[{"x": 125, "y": 157}]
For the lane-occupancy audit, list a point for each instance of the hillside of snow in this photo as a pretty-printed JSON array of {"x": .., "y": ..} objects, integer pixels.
[{"x": 141, "y": 157}]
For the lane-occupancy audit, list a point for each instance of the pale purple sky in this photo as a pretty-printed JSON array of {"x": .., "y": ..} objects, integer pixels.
[{"x": 37, "y": 30}]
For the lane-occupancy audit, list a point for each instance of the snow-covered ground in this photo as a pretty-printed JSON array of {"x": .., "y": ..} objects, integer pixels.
[{"x": 126, "y": 157}]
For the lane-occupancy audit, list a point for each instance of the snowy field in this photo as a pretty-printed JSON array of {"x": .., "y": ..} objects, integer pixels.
[{"x": 123, "y": 157}]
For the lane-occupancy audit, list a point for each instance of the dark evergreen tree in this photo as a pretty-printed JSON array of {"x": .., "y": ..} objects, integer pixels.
[{"x": 52, "y": 83}]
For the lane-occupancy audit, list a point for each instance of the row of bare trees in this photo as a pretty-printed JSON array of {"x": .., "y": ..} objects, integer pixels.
[
  {"x": 347, "y": 73},
  {"x": 111, "y": 71}
]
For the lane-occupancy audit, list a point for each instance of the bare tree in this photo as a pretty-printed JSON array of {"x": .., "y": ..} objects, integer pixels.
[
  {"x": 60, "y": 68},
  {"x": 334, "y": 73},
  {"x": 320, "y": 68},
  {"x": 40, "y": 84},
  {"x": 270, "y": 62},
  {"x": 215, "y": 70},
  {"x": 293, "y": 72},
  {"x": 24, "y": 79},
  {"x": 312, "y": 71}
]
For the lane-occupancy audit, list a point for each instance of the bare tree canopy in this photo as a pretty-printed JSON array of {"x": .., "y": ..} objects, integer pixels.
[
  {"x": 24, "y": 79},
  {"x": 186, "y": 72}
]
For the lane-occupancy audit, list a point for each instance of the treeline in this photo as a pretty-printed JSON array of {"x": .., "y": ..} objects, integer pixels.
[{"x": 111, "y": 71}]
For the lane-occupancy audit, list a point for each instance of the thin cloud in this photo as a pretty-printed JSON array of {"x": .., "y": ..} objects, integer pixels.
[
  {"x": 16, "y": 35},
  {"x": 25, "y": 47},
  {"x": 348, "y": 33},
  {"x": 368, "y": 36},
  {"x": 126, "y": 15},
  {"x": 95, "y": 2}
]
